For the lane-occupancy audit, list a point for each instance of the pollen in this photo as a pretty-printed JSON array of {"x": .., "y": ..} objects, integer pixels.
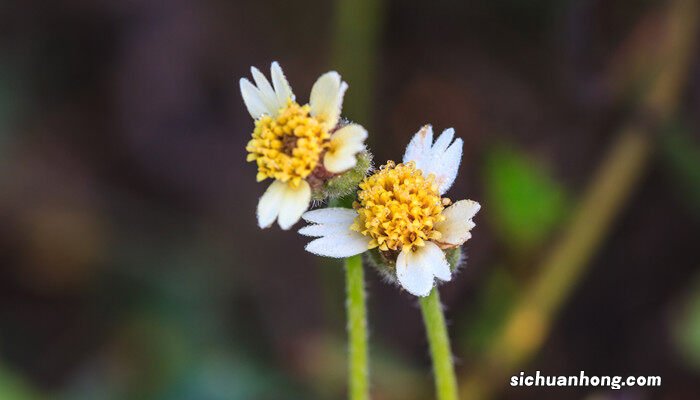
[
  {"x": 398, "y": 207},
  {"x": 288, "y": 147}
]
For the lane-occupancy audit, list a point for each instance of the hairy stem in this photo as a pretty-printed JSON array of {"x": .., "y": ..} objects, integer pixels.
[
  {"x": 443, "y": 367},
  {"x": 358, "y": 362}
]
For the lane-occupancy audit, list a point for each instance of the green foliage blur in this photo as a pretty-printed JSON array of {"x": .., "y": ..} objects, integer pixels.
[
  {"x": 526, "y": 203},
  {"x": 133, "y": 267}
]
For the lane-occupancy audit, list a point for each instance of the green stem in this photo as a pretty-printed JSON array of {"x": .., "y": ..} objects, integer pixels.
[
  {"x": 358, "y": 363},
  {"x": 529, "y": 322},
  {"x": 443, "y": 368}
]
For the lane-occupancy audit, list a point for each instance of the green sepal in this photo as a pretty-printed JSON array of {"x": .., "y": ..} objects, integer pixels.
[
  {"x": 345, "y": 183},
  {"x": 454, "y": 257}
]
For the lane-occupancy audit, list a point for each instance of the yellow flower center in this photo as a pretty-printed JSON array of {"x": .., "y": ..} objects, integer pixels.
[
  {"x": 398, "y": 208},
  {"x": 287, "y": 147}
]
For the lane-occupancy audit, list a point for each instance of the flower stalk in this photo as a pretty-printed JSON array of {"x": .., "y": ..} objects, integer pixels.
[
  {"x": 439, "y": 341},
  {"x": 358, "y": 352}
]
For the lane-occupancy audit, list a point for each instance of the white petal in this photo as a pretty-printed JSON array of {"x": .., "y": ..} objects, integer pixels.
[
  {"x": 253, "y": 99},
  {"x": 419, "y": 145},
  {"x": 337, "y": 239},
  {"x": 331, "y": 215},
  {"x": 345, "y": 144},
  {"x": 437, "y": 159},
  {"x": 443, "y": 140},
  {"x": 449, "y": 166},
  {"x": 270, "y": 203},
  {"x": 267, "y": 93},
  {"x": 413, "y": 273},
  {"x": 339, "y": 162},
  {"x": 326, "y": 98},
  {"x": 433, "y": 255},
  {"x": 352, "y": 134},
  {"x": 340, "y": 244},
  {"x": 458, "y": 222},
  {"x": 296, "y": 200},
  {"x": 282, "y": 88},
  {"x": 323, "y": 229}
]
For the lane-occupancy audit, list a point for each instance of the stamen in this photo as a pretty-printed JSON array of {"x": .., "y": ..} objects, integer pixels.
[
  {"x": 397, "y": 207},
  {"x": 288, "y": 147}
]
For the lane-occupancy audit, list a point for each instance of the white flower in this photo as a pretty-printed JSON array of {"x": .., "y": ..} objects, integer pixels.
[
  {"x": 292, "y": 142},
  {"x": 401, "y": 212}
]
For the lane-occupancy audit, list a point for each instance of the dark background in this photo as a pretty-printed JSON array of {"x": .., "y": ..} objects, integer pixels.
[{"x": 132, "y": 265}]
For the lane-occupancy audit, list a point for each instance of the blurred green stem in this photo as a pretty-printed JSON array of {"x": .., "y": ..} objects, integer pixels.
[
  {"x": 529, "y": 322},
  {"x": 358, "y": 362},
  {"x": 439, "y": 340},
  {"x": 354, "y": 47},
  {"x": 355, "y": 40}
]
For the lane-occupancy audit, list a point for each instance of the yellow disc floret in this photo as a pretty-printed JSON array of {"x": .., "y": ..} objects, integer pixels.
[
  {"x": 289, "y": 146},
  {"x": 398, "y": 208}
]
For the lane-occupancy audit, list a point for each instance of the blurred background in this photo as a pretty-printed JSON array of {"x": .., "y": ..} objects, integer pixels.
[{"x": 133, "y": 268}]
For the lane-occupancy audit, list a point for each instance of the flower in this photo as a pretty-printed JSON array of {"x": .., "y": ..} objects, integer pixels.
[
  {"x": 299, "y": 147},
  {"x": 400, "y": 212}
]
